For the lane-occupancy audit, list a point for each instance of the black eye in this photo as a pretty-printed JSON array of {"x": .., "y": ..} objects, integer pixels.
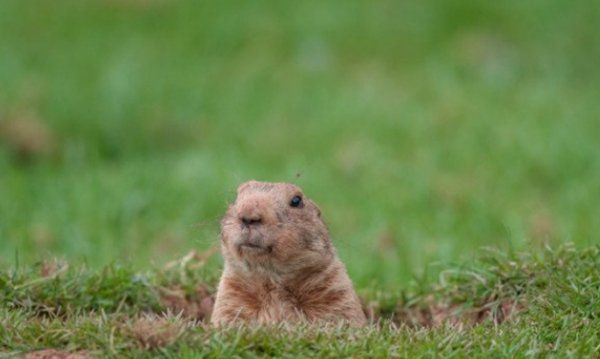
[{"x": 296, "y": 201}]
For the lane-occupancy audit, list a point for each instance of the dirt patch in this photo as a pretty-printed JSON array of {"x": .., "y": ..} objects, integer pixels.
[
  {"x": 153, "y": 332},
  {"x": 58, "y": 354},
  {"x": 431, "y": 314},
  {"x": 197, "y": 305},
  {"x": 52, "y": 268}
]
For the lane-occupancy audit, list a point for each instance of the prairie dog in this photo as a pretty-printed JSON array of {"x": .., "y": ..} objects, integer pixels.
[{"x": 280, "y": 264}]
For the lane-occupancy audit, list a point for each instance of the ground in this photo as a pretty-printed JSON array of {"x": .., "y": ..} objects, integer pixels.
[{"x": 520, "y": 305}]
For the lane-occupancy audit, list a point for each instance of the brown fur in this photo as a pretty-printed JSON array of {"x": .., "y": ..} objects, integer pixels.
[{"x": 281, "y": 265}]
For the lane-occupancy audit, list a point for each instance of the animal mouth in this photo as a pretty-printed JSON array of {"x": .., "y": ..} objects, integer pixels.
[
  {"x": 252, "y": 242},
  {"x": 253, "y": 247}
]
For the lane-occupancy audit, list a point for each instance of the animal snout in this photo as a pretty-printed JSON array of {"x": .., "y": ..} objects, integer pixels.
[
  {"x": 251, "y": 219},
  {"x": 254, "y": 211}
]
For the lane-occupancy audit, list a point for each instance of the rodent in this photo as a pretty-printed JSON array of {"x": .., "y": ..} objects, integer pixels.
[{"x": 280, "y": 264}]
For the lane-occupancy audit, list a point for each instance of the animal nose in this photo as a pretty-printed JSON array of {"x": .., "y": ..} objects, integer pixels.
[{"x": 251, "y": 219}]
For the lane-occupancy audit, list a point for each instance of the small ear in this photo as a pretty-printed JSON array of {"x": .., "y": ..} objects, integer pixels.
[{"x": 245, "y": 185}]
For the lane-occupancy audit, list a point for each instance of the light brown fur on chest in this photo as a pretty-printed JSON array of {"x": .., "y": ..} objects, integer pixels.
[{"x": 325, "y": 296}]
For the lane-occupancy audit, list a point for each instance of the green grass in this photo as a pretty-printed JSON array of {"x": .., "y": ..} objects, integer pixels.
[
  {"x": 425, "y": 131},
  {"x": 109, "y": 313},
  {"x": 441, "y": 126}
]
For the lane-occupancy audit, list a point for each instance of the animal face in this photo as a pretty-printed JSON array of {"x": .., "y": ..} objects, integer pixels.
[{"x": 273, "y": 227}]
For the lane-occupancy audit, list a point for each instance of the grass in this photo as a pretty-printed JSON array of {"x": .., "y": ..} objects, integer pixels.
[
  {"x": 116, "y": 312},
  {"x": 424, "y": 130}
]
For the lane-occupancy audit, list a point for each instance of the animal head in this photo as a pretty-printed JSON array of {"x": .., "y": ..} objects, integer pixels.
[{"x": 274, "y": 228}]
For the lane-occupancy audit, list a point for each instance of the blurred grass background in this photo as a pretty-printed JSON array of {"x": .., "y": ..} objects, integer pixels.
[{"x": 425, "y": 130}]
